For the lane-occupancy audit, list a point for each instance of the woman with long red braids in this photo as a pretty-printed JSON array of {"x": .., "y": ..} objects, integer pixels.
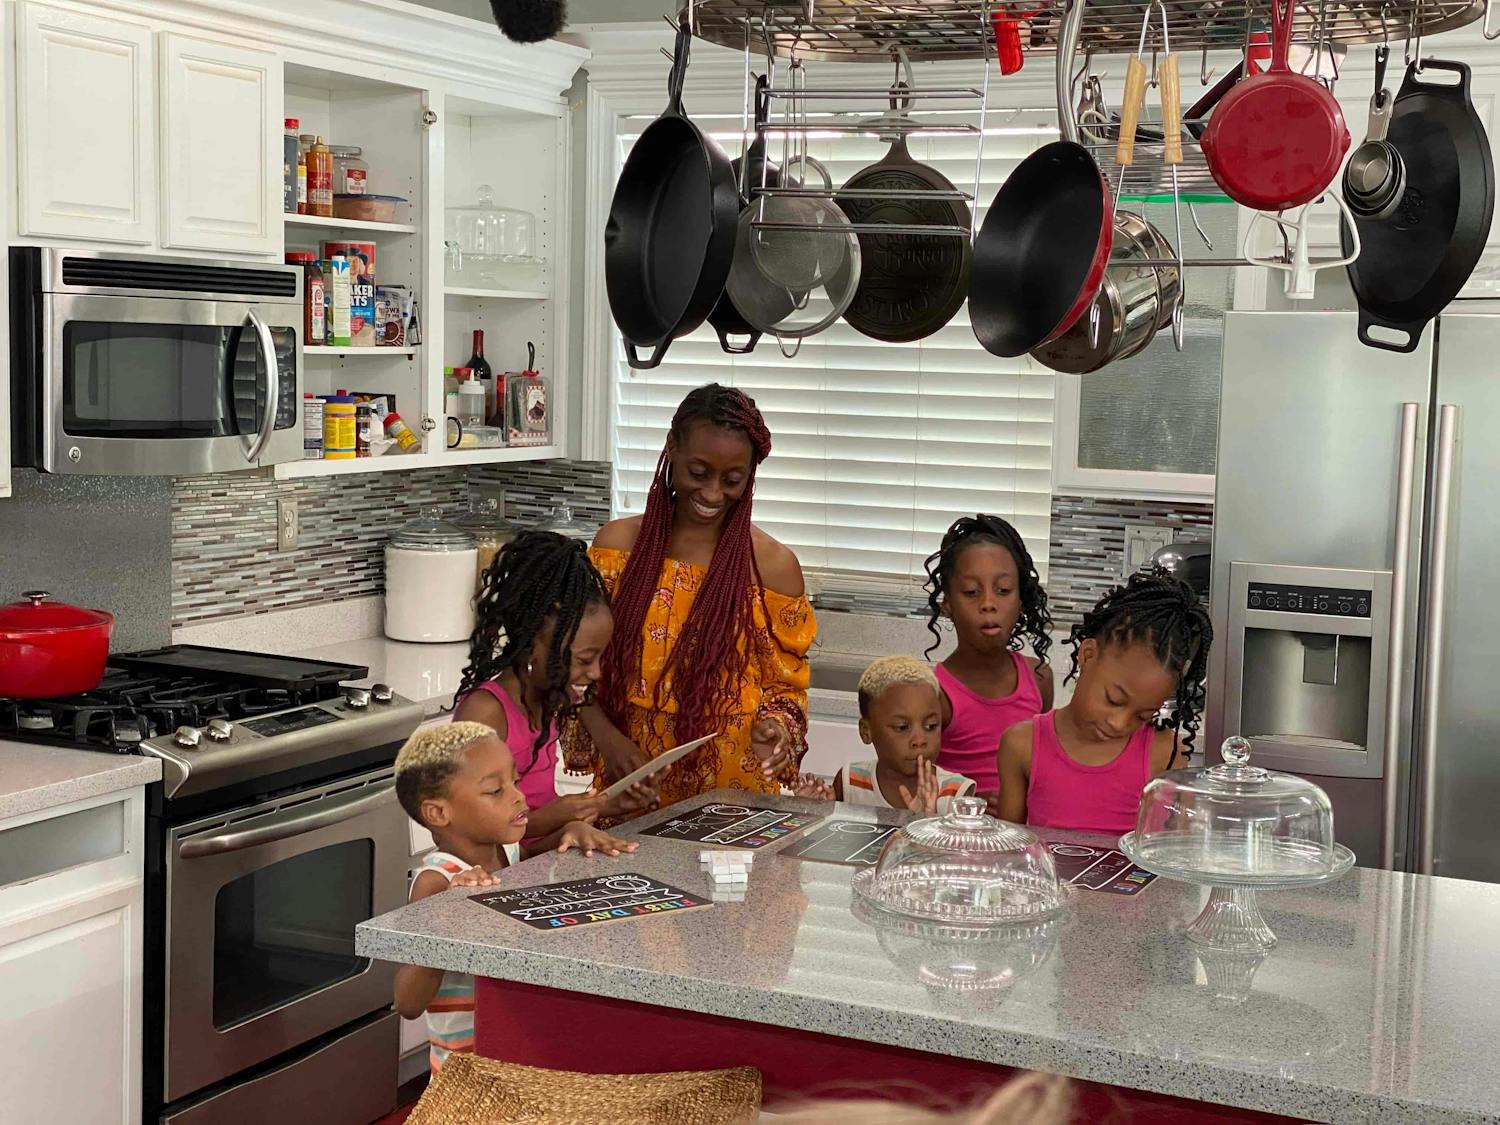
[{"x": 712, "y": 624}]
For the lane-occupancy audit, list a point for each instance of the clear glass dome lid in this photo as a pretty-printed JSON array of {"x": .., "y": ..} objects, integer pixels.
[
  {"x": 430, "y": 532},
  {"x": 1235, "y": 823},
  {"x": 964, "y": 868},
  {"x": 486, "y": 523},
  {"x": 563, "y": 522}
]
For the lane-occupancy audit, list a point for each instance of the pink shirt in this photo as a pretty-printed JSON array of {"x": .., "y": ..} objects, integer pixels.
[
  {"x": 971, "y": 740},
  {"x": 1064, "y": 793},
  {"x": 538, "y": 772}
]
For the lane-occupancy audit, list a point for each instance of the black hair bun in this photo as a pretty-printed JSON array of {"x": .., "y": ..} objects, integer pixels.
[{"x": 529, "y": 21}]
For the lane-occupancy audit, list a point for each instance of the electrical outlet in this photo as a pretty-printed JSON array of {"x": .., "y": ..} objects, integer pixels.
[
  {"x": 1140, "y": 544},
  {"x": 288, "y": 524}
]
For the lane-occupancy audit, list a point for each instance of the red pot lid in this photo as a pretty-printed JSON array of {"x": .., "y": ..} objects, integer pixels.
[{"x": 38, "y": 613}]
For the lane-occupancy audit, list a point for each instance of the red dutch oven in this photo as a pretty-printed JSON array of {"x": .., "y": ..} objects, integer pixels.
[{"x": 49, "y": 648}]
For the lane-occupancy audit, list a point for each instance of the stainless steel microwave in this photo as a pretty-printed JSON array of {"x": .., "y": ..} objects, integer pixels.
[{"x": 127, "y": 364}]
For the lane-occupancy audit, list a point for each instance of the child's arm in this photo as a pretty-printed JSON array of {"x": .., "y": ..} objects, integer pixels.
[
  {"x": 838, "y": 786},
  {"x": 1046, "y": 684},
  {"x": 415, "y": 984},
  {"x": 1014, "y": 761},
  {"x": 1162, "y": 745},
  {"x": 621, "y": 756}
]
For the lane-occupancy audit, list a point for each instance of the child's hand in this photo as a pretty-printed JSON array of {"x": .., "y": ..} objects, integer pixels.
[
  {"x": 770, "y": 743},
  {"x": 991, "y": 804},
  {"x": 925, "y": 799},
  {"x": 475, "y": 876},
  {"x": 588, "y": 839},
  {"x": 813, "y": 787}
]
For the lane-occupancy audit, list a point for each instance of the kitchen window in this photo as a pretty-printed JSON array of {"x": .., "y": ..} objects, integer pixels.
[{"x": 877, "y": 447}]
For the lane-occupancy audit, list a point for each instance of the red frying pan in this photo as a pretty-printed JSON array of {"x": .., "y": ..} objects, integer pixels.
[{"x": 1277, "y": 139}]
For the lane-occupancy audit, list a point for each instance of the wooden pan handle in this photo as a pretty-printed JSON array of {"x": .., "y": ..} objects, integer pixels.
[
  {"x": 1130, "y": 109},
  {"x": 1171, "y": 109}
]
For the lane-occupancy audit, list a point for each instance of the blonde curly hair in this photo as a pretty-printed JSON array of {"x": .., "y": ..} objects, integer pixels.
[
  {"x": 429, "y": 760},
  {"x": 889, "y": 671}
]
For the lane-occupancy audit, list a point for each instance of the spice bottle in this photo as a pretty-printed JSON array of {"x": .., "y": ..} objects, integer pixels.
[
  {"x": 338, "y": 427},
  {"x": 314, "y": 323},
  {"x": 319, "y": 179},
  {"x": 364, "y": 428},
  {"x": 399, "y": 432},
  {"x": 290, "y": 152},
  {"x": 304, "y": 142}
]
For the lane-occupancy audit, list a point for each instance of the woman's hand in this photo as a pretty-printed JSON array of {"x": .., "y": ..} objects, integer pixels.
[
  {"x": 588, "y": 839},
  {"x": 925, "y": 799},
  {"x": 639, "y": 798},
  {"x": 813, "y": 787},
  {"x": 475, "y": 876},
  {"x": 587, "y": 807},
  {"x": 770, "y": 743},
  {"x": 621, "y": 758}
]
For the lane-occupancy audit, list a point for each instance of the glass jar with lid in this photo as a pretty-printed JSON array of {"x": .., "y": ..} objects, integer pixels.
[
  {"x": 429, "y": 581},
  {"x": 486, "y": 522},
  {"x": 964, "y": 868},
  {"x": 565, "y": 523},
  {"x": 349, "y": 170}
]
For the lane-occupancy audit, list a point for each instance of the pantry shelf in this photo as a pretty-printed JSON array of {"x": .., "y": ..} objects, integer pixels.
[
  {"x": 335, "y": 223},
  {"x": 498, "y": 294},
  {"x": 395, "y": 462},
  {"x": 323, "y": 350}
]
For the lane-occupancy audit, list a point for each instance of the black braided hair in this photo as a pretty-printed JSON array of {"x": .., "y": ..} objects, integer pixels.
[
  {"x": 540, "y": 576},
  {"x": 966, "y": 532},
  {"x": 1159, "y": 610}
]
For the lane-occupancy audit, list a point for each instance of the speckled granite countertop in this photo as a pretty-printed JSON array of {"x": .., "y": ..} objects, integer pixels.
[
  {"x": 44, "y": 777},
  {"x": 1379, "y": 1004}
]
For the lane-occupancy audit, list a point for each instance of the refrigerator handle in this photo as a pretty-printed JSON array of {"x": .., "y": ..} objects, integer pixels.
[
  {"x": 1435, "y": 613},
  {"x": 1396, "y": 650}
]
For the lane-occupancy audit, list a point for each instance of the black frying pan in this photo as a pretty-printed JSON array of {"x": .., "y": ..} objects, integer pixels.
[
  {"x": 669, "y": 241},
  {"x": 909, "y": 285},
  {"x": 1414, "y": 262}
]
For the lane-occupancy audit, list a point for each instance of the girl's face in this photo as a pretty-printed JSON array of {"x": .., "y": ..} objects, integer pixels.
[
  {"x": 905, "y": 724},
  {"x": 710, "y": 472},
  {"x": 585, "y": 666},
  {"x": 983, "y": 597},
  {"x": 482, "y": 803},
  {"x": 1120, "y": 689}
]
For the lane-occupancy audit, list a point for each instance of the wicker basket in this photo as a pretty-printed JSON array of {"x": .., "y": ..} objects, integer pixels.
[{"x": 470, "y": 1090}]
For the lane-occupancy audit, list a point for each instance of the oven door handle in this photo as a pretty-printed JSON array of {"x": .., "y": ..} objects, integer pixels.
[
  {"x": 292, "y": 822},
  {"x": 273, "y": 385}
]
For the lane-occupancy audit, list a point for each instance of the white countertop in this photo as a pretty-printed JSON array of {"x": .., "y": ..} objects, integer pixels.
[{"x": 35, "y": 777}]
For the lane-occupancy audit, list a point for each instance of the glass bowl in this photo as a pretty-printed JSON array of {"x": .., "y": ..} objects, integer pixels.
[{"x": 965, "y": 869}]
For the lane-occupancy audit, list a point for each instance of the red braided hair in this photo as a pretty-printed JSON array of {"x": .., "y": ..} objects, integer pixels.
[{"x": 708, "y": 661}]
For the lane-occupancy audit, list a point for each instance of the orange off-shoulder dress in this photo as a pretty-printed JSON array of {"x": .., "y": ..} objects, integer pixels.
[{"x": 775, "y": 686}]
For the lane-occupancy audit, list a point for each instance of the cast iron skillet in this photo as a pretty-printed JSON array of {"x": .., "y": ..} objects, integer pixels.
[
  {"x": 670, "y": 236},
  {"x": 909, "y": 285},
  {"x": 1415, "y": 261},
  {"x": 726, "y": 319}
]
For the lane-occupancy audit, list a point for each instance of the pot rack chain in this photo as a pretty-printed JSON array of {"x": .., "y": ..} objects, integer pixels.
[{"x": 934, "y": 30}]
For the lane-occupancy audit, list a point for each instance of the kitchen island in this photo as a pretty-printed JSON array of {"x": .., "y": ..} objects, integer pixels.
[{"x": 1380, "y": 1003}]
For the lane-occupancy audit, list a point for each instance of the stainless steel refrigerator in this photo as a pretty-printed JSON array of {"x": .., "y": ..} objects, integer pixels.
[{"x": 1356, "y": 577}]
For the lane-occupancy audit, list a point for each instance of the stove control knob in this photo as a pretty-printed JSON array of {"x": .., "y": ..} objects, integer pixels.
[
  {"x": 219, "y": 730},
  {"x": 188, "y": 737},
  {"x": 357, "y": 698},
  {"x": 381, "y": 693}
]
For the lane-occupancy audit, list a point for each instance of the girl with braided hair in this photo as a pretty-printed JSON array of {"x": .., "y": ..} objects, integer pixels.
[
  {"x": 982, "y": 579},
  {"x": 542, "y": 626},
  {"x": 1084, "y": 765},
  {"x": 713, "y": 623}
]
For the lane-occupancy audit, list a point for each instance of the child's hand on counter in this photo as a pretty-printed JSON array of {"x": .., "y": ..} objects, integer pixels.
[
  {"x": 925, "y": 799},
  {"x": 588, "y": 839},
  {"x": 813, "y": 787},
  {"x": 475, "y": 876}
]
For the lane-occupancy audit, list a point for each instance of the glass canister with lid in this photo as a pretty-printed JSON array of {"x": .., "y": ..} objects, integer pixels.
[
  {"x": 565, "y": 523},
  {"x": 429, "y": 581},
  {"x": 486, "y": 522}
]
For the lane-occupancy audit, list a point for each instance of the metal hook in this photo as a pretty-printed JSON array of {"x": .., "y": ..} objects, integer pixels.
[
  {"x": 1204, "y": 74},
  {"x": 1484, "y": 24},
  {"x": 1198, "y": 226}
]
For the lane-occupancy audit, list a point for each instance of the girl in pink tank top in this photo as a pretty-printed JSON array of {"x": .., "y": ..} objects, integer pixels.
[
  {"x": 983, "y": 580},
  {"x": 1084, "y": 765}
]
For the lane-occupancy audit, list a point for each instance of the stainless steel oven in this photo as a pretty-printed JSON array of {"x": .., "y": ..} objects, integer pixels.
[
  {"x": 261, "y": 905},
  {"x": 139, "y": 365}
]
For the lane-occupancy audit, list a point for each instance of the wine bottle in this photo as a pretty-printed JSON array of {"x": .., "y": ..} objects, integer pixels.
[{"x": 493, "y": 403}]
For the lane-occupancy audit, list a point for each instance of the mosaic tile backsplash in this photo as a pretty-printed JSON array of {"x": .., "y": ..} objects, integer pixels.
[
  {"x": 224, "y": 556},
  {"x": 1088, "y": 544}
]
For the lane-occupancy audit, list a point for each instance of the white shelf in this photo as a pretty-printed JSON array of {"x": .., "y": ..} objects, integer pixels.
[
  {"x": 394, "y": 462},
  {"x": 497, "y": 294},
  {"x": 336, "y": 223},
  {"x": 320, "y": 349}
]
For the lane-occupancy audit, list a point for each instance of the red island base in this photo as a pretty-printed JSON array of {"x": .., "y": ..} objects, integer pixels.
[{"x": 534, "y": 1026}]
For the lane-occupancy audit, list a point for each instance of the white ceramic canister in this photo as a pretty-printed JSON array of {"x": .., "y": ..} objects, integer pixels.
[{"x": 429, "y": 581}]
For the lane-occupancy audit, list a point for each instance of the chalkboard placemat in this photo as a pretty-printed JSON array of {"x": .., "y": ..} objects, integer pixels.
[
  {"x": 854, "y": 843},
  {"x": 1098, "y": 869},
  {"x": 582, "y": 902},
  {"x": 744, "y": 826}
]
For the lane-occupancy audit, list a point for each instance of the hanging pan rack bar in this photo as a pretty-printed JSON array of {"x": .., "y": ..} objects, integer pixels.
[
  {"x": 882, "y": 129},
  {"x": 852, "y": 94},
  {"x": 865, "y": 193},
  {"x": 866, "y": 228}
]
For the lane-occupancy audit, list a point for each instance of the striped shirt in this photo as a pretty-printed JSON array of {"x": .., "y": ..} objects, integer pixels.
[
  {"x": 450, "y": 1015},
  {"x": 861, "y": 788}
]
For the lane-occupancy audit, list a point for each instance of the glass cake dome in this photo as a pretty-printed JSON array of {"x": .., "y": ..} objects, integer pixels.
[{"x": 964, "y": 868}]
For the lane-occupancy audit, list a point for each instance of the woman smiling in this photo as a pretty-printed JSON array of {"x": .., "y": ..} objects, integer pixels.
[{"x": 712, "y": 623}]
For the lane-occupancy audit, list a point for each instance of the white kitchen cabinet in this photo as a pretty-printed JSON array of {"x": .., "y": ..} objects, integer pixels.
[
  {"x": 86, "y": 127},
  {"x": 71, "y": 958},
  {"x": 221, "y": 141}
]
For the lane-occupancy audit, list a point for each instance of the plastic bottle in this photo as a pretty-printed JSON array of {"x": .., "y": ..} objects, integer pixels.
[
  {"x": 338, "y": 427},
  {"x": 312, "y": 427},
  {"x": 314, "y": 323},
  {"x": 304, "y": 142},
  {"x": 291, "y": 152},
  {"x": 319, "y": 179}
]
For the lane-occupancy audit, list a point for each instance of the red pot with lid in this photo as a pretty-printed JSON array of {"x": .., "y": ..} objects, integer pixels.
[{"x": 51, "y": 648}]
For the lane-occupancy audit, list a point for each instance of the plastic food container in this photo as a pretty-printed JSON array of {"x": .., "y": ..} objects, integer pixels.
[
  {"x": 50, "y": 648},
  {"x": 964, "y": 869},
  {"x": 367, "y": 208},
  {"x": 429, "y": 581}
]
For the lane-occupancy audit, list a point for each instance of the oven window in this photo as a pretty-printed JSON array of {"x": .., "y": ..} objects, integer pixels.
[
  {"x": 286, "y": 931},
  {"x": 164, "y": 380}
]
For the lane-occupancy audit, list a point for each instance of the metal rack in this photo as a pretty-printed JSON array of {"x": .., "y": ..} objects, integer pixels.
[{"x": 934, "y": 30}]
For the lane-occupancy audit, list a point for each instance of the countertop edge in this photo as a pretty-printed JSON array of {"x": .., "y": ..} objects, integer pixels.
[
  {"x": 1246, "y": 1089},
  {"x": 132, "y": 773}
]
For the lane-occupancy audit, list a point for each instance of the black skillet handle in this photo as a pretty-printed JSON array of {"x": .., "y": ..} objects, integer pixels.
[
  {"x": 730, "y": 348},
  {"x": 637, "y": 363},
  {"x": 1413, "y": 82},
  {"x": 678, "y": 72},
  {"x": 1412, "y": 330}
]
